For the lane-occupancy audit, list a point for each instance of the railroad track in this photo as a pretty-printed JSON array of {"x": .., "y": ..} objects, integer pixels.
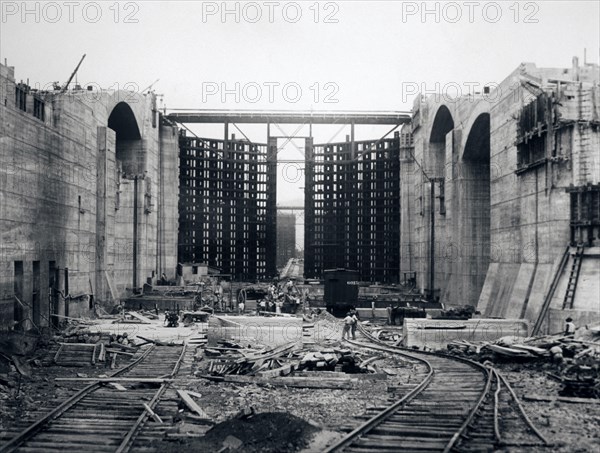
[
  {"x": 457, "y": 406},
  {"x": 100, "y": 417},
  {"x": 292, "y": 270}
]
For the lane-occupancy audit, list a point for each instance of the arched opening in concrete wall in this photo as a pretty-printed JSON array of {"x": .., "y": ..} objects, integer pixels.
[
  {"x": 129, "y": 152},
  {"x": 442, "y": 124},
  {"x": 474, "y": 208},
  {"x": 128, "y": 194}
]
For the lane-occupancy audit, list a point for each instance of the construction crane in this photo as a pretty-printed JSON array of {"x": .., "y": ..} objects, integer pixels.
[
  {"x": 149, "y": 86},
  {"x": 72, "y": 75}
]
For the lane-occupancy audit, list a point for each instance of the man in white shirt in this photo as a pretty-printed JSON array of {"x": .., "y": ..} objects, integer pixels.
[
  {"x": 570, "y": 327},
  {"x": 348, "y": 321}
]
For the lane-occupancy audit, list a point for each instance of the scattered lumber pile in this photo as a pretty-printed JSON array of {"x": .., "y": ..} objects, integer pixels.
[
  {"x": 388, "y": 335},
  {"x": 333, "y": 368},
  {"x": 86, "y": 354},
  {"x": 576, "y": 361},
  {"x": 463, "y": 312}
]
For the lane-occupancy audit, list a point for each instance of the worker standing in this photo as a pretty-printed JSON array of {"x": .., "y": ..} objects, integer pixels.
[
  {"x": 389, "y": 314},
  {"x": 348, "y": 320},
  {"x": 263, "y": 306},
  {"x": 570, "y": 327},
  {"x": 354, "y": 324},
  {"x": 241, "y": 307}
]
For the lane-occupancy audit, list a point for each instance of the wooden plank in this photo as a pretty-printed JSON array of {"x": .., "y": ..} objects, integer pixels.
[
  {"x": 115, "y": 379},
  {"x": 122, "y": 347},
  {"x": 153, "y": 414},
  {"x": 194, "y": 394},
  {"x": 276, "y": 352},
  {"x": 116, "y": 351},
  {"x": 102, "y": 353},
  {"x": 191, "y": 404},
  {"x": 142, "y": 318},
  {"x": 562, "y": 399},
  {"x": 58, "y": 352},
  {"x": 508, "y": 351},
  {"x": 84, "y": 345}
]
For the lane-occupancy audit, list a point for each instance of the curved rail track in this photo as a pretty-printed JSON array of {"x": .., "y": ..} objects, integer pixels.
[
  {"x": 99, "y": 417},
  {"x": 456, "y": 407}
]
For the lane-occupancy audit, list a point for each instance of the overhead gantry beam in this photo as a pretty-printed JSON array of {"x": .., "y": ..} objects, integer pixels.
[{"x": 287, "y": 117}]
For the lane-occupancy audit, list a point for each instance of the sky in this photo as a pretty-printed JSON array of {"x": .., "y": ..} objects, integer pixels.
[{"x": 343, "y": 55}]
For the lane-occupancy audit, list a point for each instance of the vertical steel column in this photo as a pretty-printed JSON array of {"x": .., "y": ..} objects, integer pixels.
[
  {"x": 432, "y": 239},
  {"x": 135, "y": 230}
]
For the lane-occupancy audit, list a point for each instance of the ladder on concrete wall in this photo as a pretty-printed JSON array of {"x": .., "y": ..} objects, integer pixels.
[
  {"x": 548, "y": 299},
  {"x": 573, "y": 278}
]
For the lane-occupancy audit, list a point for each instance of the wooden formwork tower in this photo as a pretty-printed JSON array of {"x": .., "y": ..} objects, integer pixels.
[
  {"x": 353, "y": 209},
  {"x": 227, "y": 207}
]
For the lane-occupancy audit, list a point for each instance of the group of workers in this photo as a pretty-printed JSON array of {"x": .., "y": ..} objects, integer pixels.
[
  {"x": 278, "y": 295},
  {"x": 350, "y": 324}
]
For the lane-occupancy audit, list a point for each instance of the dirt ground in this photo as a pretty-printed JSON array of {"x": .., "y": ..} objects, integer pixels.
[
  {"x": 296, "y": 419},
  {"x": 569, "y": 427}
]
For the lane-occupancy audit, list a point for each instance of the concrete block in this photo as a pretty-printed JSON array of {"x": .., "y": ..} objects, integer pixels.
[
  {"x": 255, "y": 331},
  {"x": 581, "y": 318},
  {"x": 436, "y": 334}
]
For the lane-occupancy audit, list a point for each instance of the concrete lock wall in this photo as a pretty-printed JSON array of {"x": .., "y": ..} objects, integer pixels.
[
  {"x": 500, "y": 230},
  {"x": 67, "y": 203}
]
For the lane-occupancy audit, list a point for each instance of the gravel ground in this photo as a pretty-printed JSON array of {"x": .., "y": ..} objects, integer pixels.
[
  {"x": 316, "y": 417},
  {"x": 569, "y": 427},
  {"x": 326, "y": 409}
]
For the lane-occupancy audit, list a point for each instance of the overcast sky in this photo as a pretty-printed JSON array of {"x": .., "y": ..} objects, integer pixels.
[{"x": 354, "y": 55}]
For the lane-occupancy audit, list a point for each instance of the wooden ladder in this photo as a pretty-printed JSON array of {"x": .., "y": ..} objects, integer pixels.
[{"x": 573, "y": 278}]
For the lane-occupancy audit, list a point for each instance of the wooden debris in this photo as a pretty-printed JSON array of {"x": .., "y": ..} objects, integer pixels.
[
  {"x": 141, "y": 318},
  {"x": 562, "y": 399},
  {"x": 300, "y": 382},
  {"x": 511, "y": 352},
  {"x": 102, "y": 353},
  {"x": 76, "y": 354},
  {"x": 153, "y": 414},
  {"x": 116, "y": 351},
  {"x": 191, "y": 404},
  {"x": 116, "y": 379},
  {"x": 122, "y": 347},
  {"x": 532, "y": 349},
  {"x": 281, "y": 371}
]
